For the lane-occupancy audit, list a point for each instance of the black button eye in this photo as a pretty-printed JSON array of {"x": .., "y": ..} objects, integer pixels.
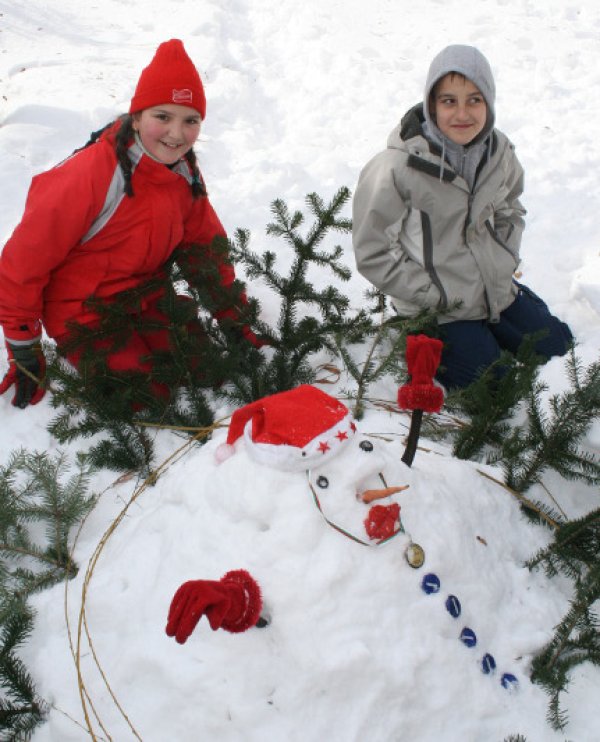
[
  {"x": 323, "y": 482},
  {"x": 366, "y": 446}
]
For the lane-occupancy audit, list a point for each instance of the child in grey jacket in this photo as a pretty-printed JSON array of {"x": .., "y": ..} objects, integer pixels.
[{"x": 437, "y": 223}]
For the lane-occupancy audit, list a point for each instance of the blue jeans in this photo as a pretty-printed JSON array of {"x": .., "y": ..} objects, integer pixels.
[{"x": 471, "y": 346}]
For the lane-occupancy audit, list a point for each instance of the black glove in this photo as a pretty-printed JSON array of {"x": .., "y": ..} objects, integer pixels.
[{"x": 22, "y": 358}]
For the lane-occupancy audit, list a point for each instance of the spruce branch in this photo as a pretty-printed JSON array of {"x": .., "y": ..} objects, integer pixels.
[
  {"x": 381, "y": 344},
  {"x": 34, "y": 491},
  {"x": 378, "y": 360},
  {"x": 21, "y": 710},
  {"x": 44, "y": 499},
  {"x": 309, "y": 316},
  {"x": 490, "y": 402},
  {"x": 575, "y": 553},
  {"x": 549, "y": 437},
  {"x": 95, "y": 401},
  {"x": 576, "y": 640},
  {"x": 551, "y": 440},
  {"x": 575, "y": 548}
]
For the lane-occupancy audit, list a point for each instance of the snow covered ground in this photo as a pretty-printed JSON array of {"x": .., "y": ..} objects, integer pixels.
[{"x": 300, "y": 95}]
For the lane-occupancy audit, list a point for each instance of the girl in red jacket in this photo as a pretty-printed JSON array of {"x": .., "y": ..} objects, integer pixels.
[{"x": 107, "y": 219}]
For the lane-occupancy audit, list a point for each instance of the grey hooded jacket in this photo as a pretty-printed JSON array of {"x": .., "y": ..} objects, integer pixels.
[{"x": 427, "y": 240}]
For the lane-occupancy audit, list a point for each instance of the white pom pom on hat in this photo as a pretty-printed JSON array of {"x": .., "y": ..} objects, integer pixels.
[
  {"x": 291, "y": 431},
  {"x": 223, "y": 452}
]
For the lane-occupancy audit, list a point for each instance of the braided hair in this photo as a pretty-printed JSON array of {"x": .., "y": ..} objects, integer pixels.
[
  {"x": 198, "y": 187},
  {"x": 123, "y": 138}
]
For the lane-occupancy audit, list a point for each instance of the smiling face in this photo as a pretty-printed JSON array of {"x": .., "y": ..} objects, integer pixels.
[
  {"x": 459, "y": 108},
  {"x": 168, "y": 131},
  {"x": 346, "y": 485},
  {"x": 356, "y": 473}
]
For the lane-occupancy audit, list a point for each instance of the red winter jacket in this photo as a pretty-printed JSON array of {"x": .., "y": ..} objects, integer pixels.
[{"x": 81, "y": 235}]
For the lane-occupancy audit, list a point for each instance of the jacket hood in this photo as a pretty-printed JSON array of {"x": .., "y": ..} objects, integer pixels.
[
  {"x": 411, "y": 125},
  {"x": 467, "y": 61}
]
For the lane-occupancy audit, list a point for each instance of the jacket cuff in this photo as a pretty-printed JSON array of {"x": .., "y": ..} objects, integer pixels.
[{"x": 433, "y": 297}]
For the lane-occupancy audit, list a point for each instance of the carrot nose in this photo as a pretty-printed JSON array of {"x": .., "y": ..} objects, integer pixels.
[{"x": 370, "y": 495}]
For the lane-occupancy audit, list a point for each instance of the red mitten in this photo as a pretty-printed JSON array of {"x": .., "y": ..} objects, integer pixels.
[
  {"x": 233, "y": 603},
  {"x": 382, "y": 521},
  {"x": 423, "y": 356}
]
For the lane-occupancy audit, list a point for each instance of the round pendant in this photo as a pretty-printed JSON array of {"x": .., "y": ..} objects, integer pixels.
[{"x": 415, "y": 555}]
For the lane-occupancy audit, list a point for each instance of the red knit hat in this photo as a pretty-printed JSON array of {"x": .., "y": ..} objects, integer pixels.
[
  {"x": 169, "y": 78},
  {"x": 293, "y": 430}
]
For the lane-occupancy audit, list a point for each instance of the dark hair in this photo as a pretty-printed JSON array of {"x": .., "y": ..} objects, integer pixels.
[
  {"x": 435, "y": 88},
  {"x": 123, "y": 138}
]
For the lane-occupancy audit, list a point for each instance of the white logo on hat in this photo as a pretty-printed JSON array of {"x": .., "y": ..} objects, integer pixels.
[{"x": 182, "y": 96}]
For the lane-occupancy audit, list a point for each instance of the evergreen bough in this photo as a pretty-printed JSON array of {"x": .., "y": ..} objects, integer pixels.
[
  {"x": 526, "y": 448},
  {"x": 114, "y": 408},
  {"x": 552, "y": 440},
  {"x": 575, "y": 553},
  {"x": 490, "y": 402},
  {"x": 381, "y": 347},
  {"x": 104, "y": 413},
  {"x": 21, "y": 710},
  {"x": 515, "y": 425},
  {"x": 32, "y": 494},
  {"x": 213, "y": 330},
  {"x": 211, "y": 356},
  {"x": 549, "y": 437},
  {"x": 310, "y": 318}
]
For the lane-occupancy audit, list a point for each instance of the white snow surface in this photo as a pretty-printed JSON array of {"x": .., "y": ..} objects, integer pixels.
[{"x": 300, "y": 96}]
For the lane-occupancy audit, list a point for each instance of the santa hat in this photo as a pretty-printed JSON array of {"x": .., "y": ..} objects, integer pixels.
[
  {"x": 169, "y": 78},
  {"x": 291, "y": 431}
]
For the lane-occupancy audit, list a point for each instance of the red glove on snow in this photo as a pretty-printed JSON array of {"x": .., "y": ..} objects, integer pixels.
[
  {"x": 25, "y": 357},
  {"x": 233, "y": 603},
  {"x": 423, "y": 356}
]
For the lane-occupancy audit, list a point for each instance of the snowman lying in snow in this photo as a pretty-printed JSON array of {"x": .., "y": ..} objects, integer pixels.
[
  {"x": 302, "y": 430},
  {"x": 307, "y": 430}
]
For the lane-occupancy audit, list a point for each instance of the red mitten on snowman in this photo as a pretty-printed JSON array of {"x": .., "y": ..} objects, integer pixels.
[{"x": 232, "y": 603}]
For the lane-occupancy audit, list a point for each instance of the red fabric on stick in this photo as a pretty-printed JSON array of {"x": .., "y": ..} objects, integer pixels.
[{"x": 423, "y": 356}]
